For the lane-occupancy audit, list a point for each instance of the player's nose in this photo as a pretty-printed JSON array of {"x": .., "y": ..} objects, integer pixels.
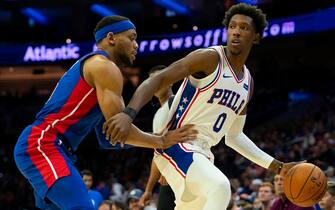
[
  {"x": 236, "y": 32},
  {"x": 135, "y": 45}
]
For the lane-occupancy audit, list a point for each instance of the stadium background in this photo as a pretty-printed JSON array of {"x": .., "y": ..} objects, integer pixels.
[{"x": 291, "y": 116}]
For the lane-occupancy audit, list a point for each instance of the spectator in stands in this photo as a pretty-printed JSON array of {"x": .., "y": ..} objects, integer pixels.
[
  {"x": 94, "y": 195},
  {"x": 116, "y": 205},
  {"x": 116, "y": 190},
  {"x": 232, "y": 205},
  {"x": 133, "y": 199},
  {"x": 265, "y": 196},
  {"x": 328, "y": 200},
  {"x": 281, "y": 202},
  {"x": 251, "y": 190},
  {"x": 106, "y": 205}
]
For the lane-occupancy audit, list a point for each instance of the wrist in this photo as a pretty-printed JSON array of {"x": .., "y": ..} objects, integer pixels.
[
  {"x": 130, "y": 112},
  {"x": 276, "y": 166},
  {"x": 163, "y": 140}
]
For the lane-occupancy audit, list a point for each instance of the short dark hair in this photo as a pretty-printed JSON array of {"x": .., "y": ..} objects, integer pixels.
[
  {"x": 156, "y": 68},
  {"x": 119, "y": 205},
  {"x": 86, "y": 172},
  {"x": 257, "y": 15},
  {"x": 109, "y": 203},
  {"x": 107, "y": 21}
]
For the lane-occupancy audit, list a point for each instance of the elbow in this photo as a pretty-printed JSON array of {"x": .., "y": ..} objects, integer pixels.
[
  {"x": 161, "y": 81},
  {"x": 232, "y": 140},
  {"x": 229, "y": 140},
  {"x": 154, "y": 82}
]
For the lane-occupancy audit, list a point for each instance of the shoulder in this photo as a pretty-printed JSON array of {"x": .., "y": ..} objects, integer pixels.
[
  {"x": 98, "y": 67},
  {"x": 202, "y": 60},
  {"x": 99, "y": 63},
  {"x": 206, "y": 53}
]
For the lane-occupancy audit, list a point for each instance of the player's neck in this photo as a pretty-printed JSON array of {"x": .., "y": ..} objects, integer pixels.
[
  {"x": 237, "y": 61},
  {"x": 111, "y": 55}
]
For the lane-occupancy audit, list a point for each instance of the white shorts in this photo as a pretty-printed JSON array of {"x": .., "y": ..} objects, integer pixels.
[{"x": 196, "y": 182}]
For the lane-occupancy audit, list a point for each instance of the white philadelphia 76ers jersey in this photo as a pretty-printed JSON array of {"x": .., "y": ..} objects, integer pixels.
[{"x": 212, "y": 103}]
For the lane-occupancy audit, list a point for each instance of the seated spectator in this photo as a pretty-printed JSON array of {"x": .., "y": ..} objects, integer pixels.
[
  {"x": 106, "y": 205},
  {"x": 94, "y": 195},
  {"x": 265, "y": 196},
  {"x": 281, "y": 202},
  {"x": 253, "y": 189},
  {"x": 328, "y": 200},
  {"x": 116, "y": 205},
  {"x": 133, "y": 199}
]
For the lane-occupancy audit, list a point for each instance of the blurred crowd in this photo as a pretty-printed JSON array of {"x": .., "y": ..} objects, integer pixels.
[{"x": 117, "y": 178}]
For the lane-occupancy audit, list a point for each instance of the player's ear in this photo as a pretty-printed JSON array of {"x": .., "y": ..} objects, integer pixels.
[
  {"x": 257, "y": 38},
  {"x": 111, "y": 38}
]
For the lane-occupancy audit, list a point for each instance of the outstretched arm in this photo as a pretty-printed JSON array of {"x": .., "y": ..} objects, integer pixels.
[
  {"x": 204, "y": 60},
  {"x": 107, "y": 80},
  {"x": 237, "y": 140},
  {"x": 241, "y": 143}
]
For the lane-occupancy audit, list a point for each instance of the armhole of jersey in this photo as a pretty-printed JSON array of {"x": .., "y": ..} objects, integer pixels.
[
  {"x": 81, "y": 68},
  {"x": 170, "y": 101},
  {"x": 251, "y": 88},
  {"x": 209, "y": 79}
]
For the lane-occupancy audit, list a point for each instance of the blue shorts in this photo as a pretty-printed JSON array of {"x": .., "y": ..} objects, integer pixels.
[
  {"x": 179, "y": 157},
  {"x": 43, "y": 160}
]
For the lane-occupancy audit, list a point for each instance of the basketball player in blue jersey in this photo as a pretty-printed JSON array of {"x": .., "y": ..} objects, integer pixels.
[
  {"x": 214, "y": 96},
  {"x": 87, "y": 94}
]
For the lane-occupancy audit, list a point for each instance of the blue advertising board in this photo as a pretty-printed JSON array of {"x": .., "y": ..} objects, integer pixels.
[{"x": 169, "y": 43}]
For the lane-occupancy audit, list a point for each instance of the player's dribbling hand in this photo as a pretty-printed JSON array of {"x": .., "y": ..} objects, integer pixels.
[
  {"x": 183, "y": 134},
  {"x": 145, "y": 198},
  {"x": 287, "y": 166},
  {"x": 117, "y": 128}
]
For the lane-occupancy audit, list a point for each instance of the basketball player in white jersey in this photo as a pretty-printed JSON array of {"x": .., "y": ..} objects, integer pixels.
[{"x": 214, "y": 96}]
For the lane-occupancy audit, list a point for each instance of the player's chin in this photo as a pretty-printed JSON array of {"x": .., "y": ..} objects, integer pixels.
[
  {"x": 131, "y": 60},
  {"x": 235, "y": 50},
  {"x": 129, "y": 63},
  {"x": 133, "y": 57}
]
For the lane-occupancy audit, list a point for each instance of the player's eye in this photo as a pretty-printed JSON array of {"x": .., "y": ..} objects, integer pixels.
[
  {"x": 244, "y": 28},
  {"x": 232, "y": 26}
]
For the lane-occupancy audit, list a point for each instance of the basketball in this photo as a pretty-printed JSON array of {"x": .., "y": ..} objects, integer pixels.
[{"x": 305, "y": 184}]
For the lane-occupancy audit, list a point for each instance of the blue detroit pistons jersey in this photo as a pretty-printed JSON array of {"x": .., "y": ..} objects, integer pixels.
[
  {"x": 212, "y": 103},
  {"x": 72, "y": 110}
]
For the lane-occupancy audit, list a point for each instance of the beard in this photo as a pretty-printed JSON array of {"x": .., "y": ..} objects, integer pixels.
[{"x": 124, "y": 61}]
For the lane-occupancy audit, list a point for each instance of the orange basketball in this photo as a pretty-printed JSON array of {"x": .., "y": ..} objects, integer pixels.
[{"x": 305, "y": 184}]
